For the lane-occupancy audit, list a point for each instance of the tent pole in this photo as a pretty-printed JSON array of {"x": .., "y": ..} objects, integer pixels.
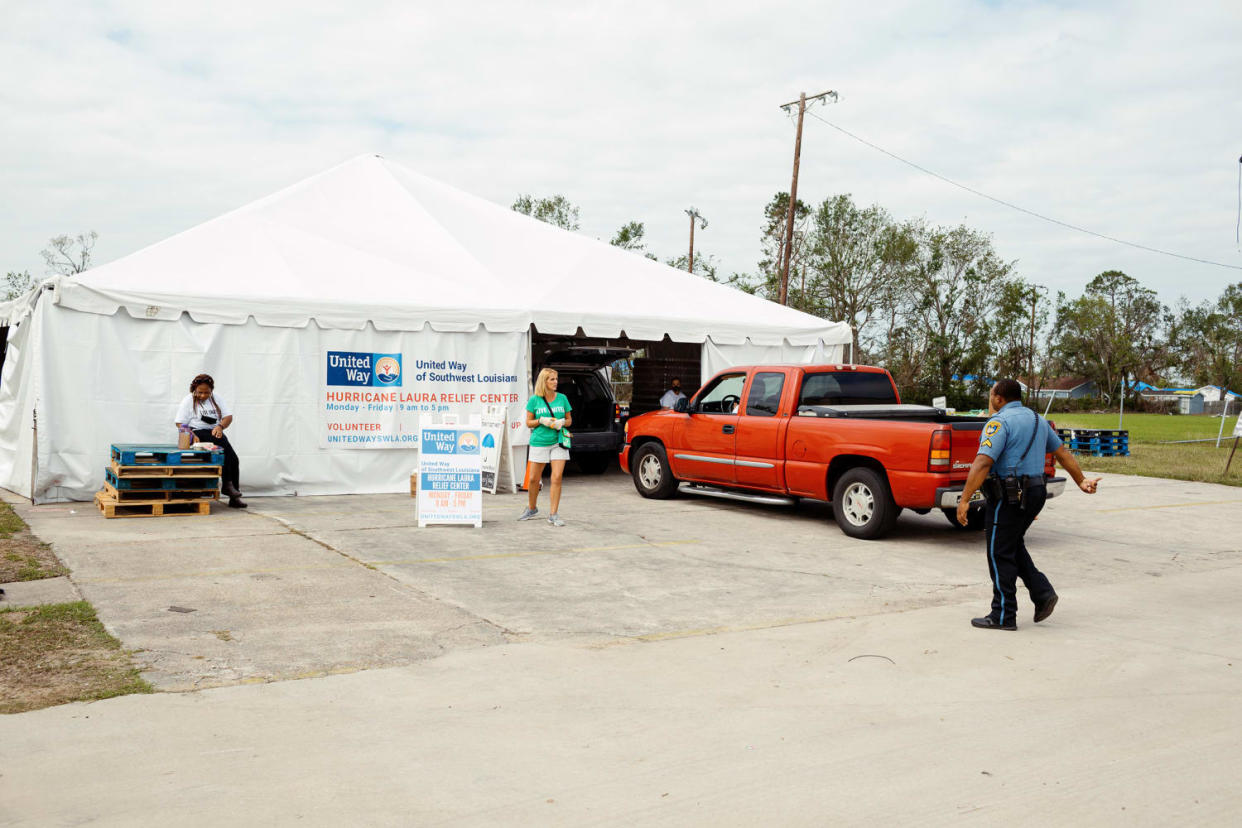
[{"x": 34, "y": 455}]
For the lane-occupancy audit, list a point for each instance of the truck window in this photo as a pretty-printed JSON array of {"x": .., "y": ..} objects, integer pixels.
[
  {"x": 846, "y": 388},
  {"x": 765, "y": 394},
  {"x": 722, "y": 396}
]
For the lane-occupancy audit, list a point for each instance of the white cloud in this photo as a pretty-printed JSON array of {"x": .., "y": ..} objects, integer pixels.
[{"x": 141, "y": 119}]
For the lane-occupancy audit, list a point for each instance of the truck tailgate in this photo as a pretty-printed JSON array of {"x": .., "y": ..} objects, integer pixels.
[{"x": 965, "y": 445}]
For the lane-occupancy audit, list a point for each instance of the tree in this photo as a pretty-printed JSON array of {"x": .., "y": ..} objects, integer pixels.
[
  {"x": 705, "y": 265},
  {"x": 630, "y": 236},
  {"x": 16, "y": 284},
  {"x": 954, "y": 287},
  {"x": 772, "y": 241},
  {"x": 1021, "y": 314},
  {"x": 557, "y": 210},
  {"x": 1111, "y": 332},
  {"x": 859, "y": 260},
  {"x": 68, "y": 256},
  {"x": 1207, "y": 340}
]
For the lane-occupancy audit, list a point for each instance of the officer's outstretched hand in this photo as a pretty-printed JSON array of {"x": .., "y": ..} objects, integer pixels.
[{"x": 1088, "y": 484}]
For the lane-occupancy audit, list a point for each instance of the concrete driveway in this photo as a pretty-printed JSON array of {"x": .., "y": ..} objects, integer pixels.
[{"x": 675, "y": 662}]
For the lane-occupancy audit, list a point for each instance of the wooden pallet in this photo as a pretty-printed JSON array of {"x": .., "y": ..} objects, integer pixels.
[
  {"x": 112, "y": 509},
  {"x": 159, "y": 455},
  {"x": 144, "y": 481},
  {"x": 130, "y": 472},
  {"x": 160, "y": 495}
]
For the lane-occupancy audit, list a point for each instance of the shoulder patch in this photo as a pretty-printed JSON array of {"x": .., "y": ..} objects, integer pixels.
[{"x": 991, "y": 427}]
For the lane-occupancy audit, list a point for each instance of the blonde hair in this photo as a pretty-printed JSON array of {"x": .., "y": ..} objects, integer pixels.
[{"x": 541, "y": 384}]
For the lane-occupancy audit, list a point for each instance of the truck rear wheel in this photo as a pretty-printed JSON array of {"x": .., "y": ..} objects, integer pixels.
[
  {"x": 863, "y": 504},
  {"x": 652, "y": 476}
]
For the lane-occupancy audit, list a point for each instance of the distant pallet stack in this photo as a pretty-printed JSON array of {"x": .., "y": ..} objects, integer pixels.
[
  {"x": 1096, "y": 442},
  {"x": 159, "y": 480}
]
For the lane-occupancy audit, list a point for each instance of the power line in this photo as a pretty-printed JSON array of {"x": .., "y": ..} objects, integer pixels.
[{"x": 1021, "y": 209}]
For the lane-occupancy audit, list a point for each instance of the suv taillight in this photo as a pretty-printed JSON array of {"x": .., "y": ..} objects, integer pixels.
[
  {"x": 616, "y": 412},
  {"x": 939, "y": 451}
]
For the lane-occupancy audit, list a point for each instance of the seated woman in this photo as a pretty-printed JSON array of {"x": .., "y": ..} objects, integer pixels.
[{"x": 206, "y": 416}]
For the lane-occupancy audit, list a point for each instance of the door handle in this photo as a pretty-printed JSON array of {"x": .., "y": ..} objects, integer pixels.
[{"x": 727, "y": 429}]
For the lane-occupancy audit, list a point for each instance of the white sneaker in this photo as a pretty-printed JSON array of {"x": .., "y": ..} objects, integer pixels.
[
  {"x": 528, "y": 513},
  {"x": 555, "y": 520}
]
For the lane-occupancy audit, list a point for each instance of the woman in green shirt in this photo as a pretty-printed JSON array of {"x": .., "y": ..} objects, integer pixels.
[{"x": 547, "y": 413}]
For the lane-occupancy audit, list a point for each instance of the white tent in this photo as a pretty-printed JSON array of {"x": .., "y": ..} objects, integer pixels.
[{"x": 367, "y": 258}]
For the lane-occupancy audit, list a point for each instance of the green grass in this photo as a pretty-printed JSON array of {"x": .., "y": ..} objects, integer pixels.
[
  {"x": 58, "y": 653},
  {"x": 1152, "y": 456},
  {"x": 1150, "y": 428},
  {"x": 9, "y": 521}
]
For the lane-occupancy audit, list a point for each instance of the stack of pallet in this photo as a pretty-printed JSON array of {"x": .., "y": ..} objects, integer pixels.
[
  {"x": 154, "y": 481},
  {"x": 1096, "y": 442}
]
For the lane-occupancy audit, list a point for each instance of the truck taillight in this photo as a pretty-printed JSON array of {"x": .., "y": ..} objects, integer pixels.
[
  {"x": 616, "y": 413},
  {"x": 939, "y": 451}
]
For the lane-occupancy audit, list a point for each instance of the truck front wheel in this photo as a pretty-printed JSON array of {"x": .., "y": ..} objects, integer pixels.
[
  {"x": 863, "y": 504},
  {"x": 652, "y": 476}
]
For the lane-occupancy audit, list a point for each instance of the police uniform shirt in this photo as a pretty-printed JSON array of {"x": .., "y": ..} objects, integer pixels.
[{"x": 1007, "y": 434}]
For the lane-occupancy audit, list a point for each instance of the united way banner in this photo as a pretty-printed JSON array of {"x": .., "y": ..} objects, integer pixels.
[
  {"x": 449, "y": 475},
  {"x": 378, "y": 397}
]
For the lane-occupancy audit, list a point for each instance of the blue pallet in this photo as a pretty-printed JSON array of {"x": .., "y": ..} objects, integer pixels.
[
  {"x": 151, "y": 484},
  {"x": 131, "y": 454}
]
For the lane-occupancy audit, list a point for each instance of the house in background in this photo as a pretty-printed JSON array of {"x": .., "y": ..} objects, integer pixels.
[
  {"x": 1188, "y": 400},
  {"x": 1064, "y": 388},
  {"x": 1214, "y": 393}
]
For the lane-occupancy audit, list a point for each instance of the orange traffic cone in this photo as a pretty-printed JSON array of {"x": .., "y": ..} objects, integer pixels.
[{"x": 526, "y": 478}]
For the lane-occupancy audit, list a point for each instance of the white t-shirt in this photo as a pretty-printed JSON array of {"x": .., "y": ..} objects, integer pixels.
[
  {"x": 187, "y": 414},
  {"x": 670, "y": 398}
]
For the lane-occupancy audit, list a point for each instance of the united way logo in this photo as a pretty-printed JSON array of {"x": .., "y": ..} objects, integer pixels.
[
  {"x": 468, "y": 443},
  {"x": 357, "y": 368},
  {"x": 388, "y": 370}
]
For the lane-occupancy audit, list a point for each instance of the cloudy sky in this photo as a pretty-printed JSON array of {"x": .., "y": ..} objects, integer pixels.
[{"x": 141, "y": 119}]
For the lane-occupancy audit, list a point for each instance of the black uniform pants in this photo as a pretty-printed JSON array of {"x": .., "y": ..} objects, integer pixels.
[
  {"x": 232, "y": 468},
  {"x": 1008, "y": 560}
]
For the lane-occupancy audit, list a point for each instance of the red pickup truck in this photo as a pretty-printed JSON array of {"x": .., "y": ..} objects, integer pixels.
[{"x": 775, "y": 433}]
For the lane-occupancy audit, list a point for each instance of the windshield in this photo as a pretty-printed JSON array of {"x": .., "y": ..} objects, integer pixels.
[{"x": 846, "y": 388}]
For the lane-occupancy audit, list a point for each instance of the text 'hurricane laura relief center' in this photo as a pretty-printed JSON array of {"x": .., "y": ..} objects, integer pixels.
[{"x": 378, "y": 400}]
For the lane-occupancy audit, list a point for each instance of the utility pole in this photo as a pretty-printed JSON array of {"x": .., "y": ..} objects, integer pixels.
[
  {"x": 793, "y": 187},
  {"x": 693, "y": 213}
]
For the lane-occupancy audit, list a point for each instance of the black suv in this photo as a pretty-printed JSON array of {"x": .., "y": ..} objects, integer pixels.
[{"x": 598, "y": 429}]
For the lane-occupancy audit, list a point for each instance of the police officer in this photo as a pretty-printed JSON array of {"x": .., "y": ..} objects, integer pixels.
[{"x": 1010, "y": 469}]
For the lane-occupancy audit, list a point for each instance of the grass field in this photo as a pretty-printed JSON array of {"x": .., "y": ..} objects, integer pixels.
[{"x": 1151, "y": 456}]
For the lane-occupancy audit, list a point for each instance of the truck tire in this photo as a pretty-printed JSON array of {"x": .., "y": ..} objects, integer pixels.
[
  {"x": 652, "y": 476},
  {"x": 597, "y": 462},
  {"x": 974, "y": 519},
  {"x": 863, "y": 504}
]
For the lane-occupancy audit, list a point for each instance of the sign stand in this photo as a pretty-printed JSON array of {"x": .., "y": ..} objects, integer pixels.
[
  {"x": 449, "y": 475},
  {"x": 1237, "y": 435},
  {"x": 497, "y": 462}
]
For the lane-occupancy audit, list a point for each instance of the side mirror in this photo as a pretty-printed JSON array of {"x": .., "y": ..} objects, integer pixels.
[{"x": 682, "y": 405}]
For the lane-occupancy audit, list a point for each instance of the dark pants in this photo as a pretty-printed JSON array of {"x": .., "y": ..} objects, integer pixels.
[
  {"x": 1008, "y": 559},
  {"x": 231, "y": 466}
]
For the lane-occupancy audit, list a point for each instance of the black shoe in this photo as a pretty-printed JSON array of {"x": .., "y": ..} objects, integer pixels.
[
  {"x": 987, "y": 622},
  {"x": 229, "y": 490},
  {"x": 1044, "y": 608},
  {"x": 237, "y": 503}
]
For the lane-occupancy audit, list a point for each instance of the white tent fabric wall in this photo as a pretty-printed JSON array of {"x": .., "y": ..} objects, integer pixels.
[
  {"x": 114, "y": 379},
  {"x": 716, "y": 358},
  {"x": 18, "y": 394}
]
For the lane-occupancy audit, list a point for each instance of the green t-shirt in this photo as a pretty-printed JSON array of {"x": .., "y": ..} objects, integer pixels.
[{"x": 537, "y": 405}]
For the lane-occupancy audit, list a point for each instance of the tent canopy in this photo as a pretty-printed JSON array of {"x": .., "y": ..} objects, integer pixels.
[{"x": 372, "y": 241}]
